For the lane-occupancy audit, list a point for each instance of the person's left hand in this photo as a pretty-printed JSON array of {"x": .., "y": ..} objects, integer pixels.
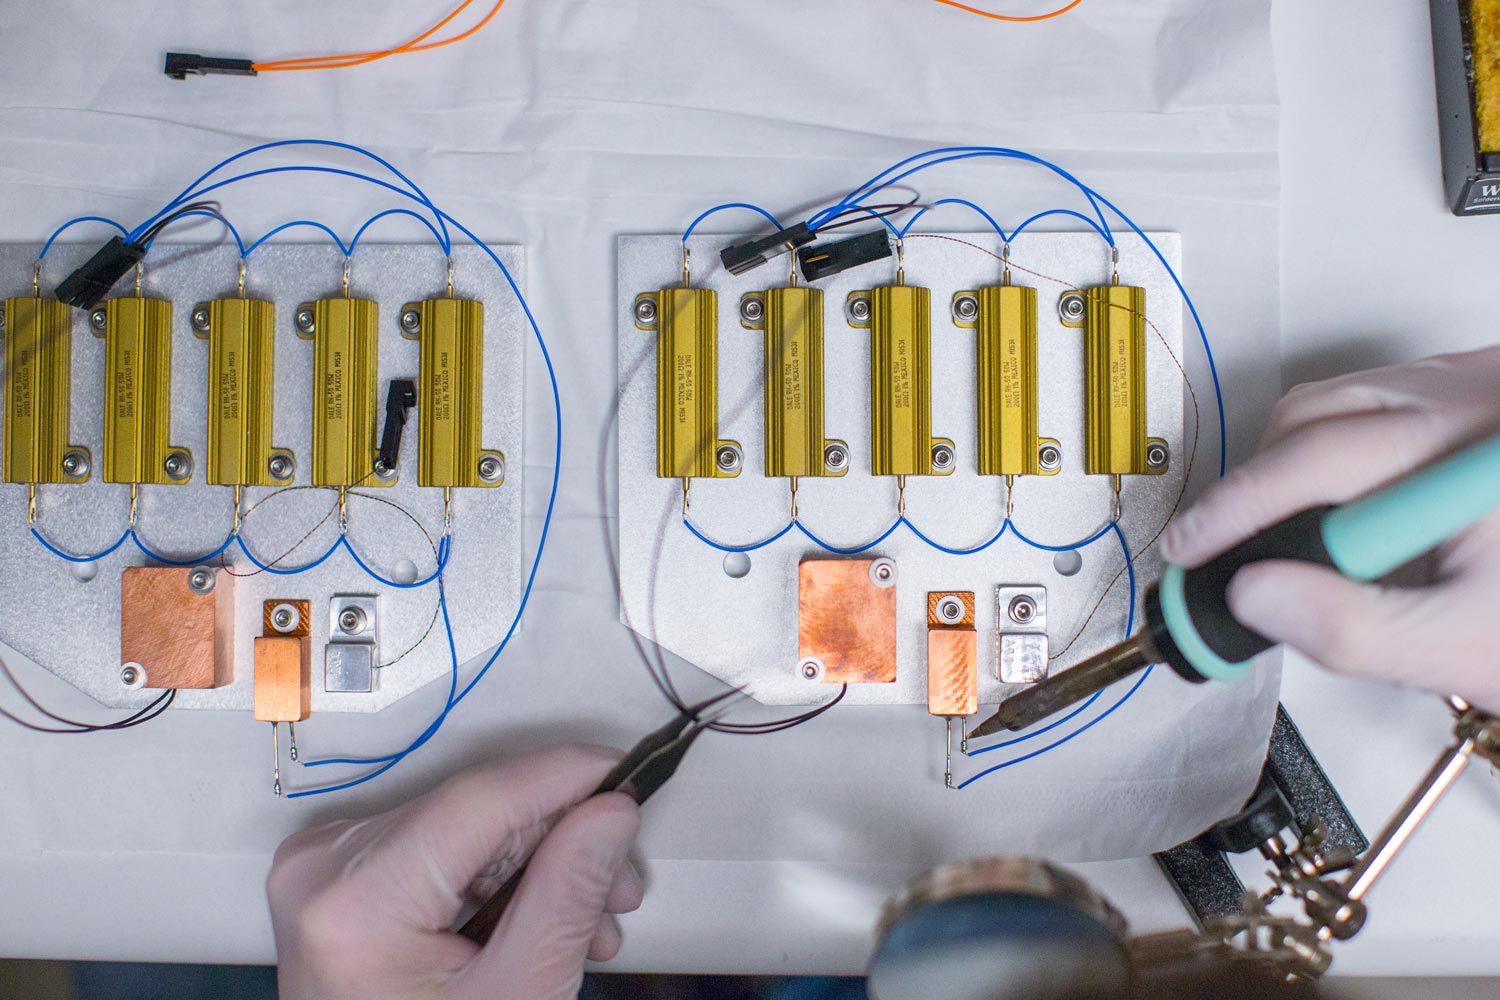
[{"x": 367, "y": 908}]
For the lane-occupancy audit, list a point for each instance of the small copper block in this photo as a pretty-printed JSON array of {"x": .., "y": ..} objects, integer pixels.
[
  {"x": 283, "y": 691},
  {"x": 846, "y": 621},
  {"x": 182, "y": 639},
  {"x": 952, "y": 658}
]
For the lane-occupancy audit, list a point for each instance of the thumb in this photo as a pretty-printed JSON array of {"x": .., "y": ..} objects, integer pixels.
[
  {"x": 1345, "y": 626},
  {"x": 538, "y": 950}
]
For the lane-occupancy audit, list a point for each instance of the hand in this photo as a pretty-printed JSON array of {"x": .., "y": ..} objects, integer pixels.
[
  {"x": 365, "y": 908},
  {"x": 1333, "y": 441}
]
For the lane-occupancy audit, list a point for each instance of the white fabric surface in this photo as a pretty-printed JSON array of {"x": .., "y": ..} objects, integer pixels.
[{"x": 558, "y": 127}]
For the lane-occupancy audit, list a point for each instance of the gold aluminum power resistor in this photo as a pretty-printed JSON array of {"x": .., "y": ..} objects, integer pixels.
[
  {"x": 450, "y": 393},
  {"x": 137, "y": 333},
  {"x": 1004, "y": 318},
  {"x": 792, "y": 320},
  {"x": 686, "y": 323},
  {"x": 899, "y": 318},
  {"x": 241, "y": 335},
  {"x": 346, "y": 343},
  {"x": 1113, "y": 318},
  {"x": 38, "y": 333}
]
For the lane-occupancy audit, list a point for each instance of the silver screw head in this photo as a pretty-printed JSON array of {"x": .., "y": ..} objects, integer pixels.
[
  {"x": 859, "y": 308},
  {"x": 305, "y": 318},
  {"x": 384, "y": 471},
  {"x": 965, "y": 308},
  {"x": 812, "y": 668},
  {"x": 200, "y": 318},
  {"x": 200, "y": 580},
  {"x": 1049, "y": 457},
  {"x": 942, "y": 457},
  {"x": 491, "y": 469},
  {"x": 883, "y": 572},
  {"x": 411, "y": 320},
  {"x": 1022, "y": 610},
  {"x": 99, "y": 320},
  {"x": 1071, "y": 306},
  {"x": 177, "y": 465},
  {"x": 75, "y": 465},
  {"x": 645, "y": 311},
  {"x": 285, "y": 617},
  {"x": 950, "y": 610},
  {"x": 1156, "y": 455},
  {"x": 133, "y": 675},
  {"x": 727, "y": 458},
  {"x": 835, "y": 457},
  {"x": 752, "y": 308},
  {"x": 352, "y": 621},
  {"x": 281, "y": 466}
]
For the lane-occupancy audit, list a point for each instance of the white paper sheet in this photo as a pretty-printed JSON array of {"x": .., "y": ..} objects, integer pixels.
[{"x": 561, "y": 125}]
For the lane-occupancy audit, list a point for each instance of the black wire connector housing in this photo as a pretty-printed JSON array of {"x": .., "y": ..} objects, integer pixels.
[
  {"x": 825, "y": 259},
  {"x": 747, "y": 256},
  {"x": 399, "y": 398},
  {"x": 180, "y": 64},
  {"x": 91, "y": 282}
]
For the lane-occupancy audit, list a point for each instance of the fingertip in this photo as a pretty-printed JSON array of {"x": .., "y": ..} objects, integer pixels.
[
  {"x": 1256, "y": 596},
  {"x": 607, "y": 940},
  {"x": 629, "y": 890}
]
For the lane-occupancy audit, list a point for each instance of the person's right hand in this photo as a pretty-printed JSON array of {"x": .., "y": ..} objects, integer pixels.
[{"x": 1332, "y": 441}]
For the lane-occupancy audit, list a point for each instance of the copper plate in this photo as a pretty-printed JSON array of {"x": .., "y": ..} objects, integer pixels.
[{"x": 846, "y": 622}]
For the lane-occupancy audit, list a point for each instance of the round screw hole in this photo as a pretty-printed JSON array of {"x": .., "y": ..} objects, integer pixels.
[
  {"x": 737, "y": 565},
  {"x": 1067, "y": 563},
  {"x": 405, "y": 571},
  {"x": 85, "y": 571}
]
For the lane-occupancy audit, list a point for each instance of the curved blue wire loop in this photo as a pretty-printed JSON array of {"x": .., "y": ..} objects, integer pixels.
[
  {"x": 80, "y": 559},
  {"x": 725, "y": 207},
  {"x": 295, "y": 223},
  {"x": 73, "y": 222},
  {"x": 207, "y": 215}
]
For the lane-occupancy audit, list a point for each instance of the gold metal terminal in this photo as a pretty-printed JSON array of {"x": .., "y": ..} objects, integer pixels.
[
  {"x": 346, "y": 344},
  {"x": 450, "y": 394},
  {"x": 241, "y": 335},
  {"x": 1004, "y": 318},
  {"x": 792, "y": 319},
  {"x": 1114, "y": 362},
  {"x": 38, "y": 394},
  {"x": 137, "y": 334},
  {"x": 686, "y": 324},
  {"x": 899, "y": 318}
]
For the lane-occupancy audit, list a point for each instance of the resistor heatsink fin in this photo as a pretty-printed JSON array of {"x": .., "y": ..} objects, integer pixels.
[
  {"x": 792, "y": 320},
  {"x": 1114, "y": 385},
  {"x": 899, "y": 318},
  {"x": 241, "y": 335},
  {"x": 450, "y": 393},
  {"x": 137, "y": 333},
  {"x": 1004, "y": 319},
  {"x": 686, "y": 323},
  {"x": 345, "y": 333},
  {"x": 38, "y": 336}
]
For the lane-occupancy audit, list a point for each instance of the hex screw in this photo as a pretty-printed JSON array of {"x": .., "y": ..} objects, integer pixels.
[
  {"x": 306, "y": 319},
  {"x": 75, "y": 465},
  {"x": 200, "y": 580},
  {"x": 966, "y": 308},
  {"x": 352, "y": 621},
  {"x": 1049, "y": 457},
  {"x": 883, "y": 572},
  {"x": 950, "y": 610},
  {"x": 384, "y": 471},
  {"x": 177, "y": 466},
  {"x": 491, "y": 469},
  {"x": 284, "y": 619},
  {"x": 835, "y": 457},
  {"x": 645, "y": 311},
  {"x": 727, "y": 458},
  {"x": 281, "y": 466},
  {"x": 811, "y": 668},
  {"x": 859, "y": 309},
  {"x": 1022, "y": 610},
  {"x": 1071, "y": 307},
  {"x": 200, "y": 318},
  {"x": 133, "y": 675},
  {"x": 99, "y": 320},
  {"x": 752, "y": 309},
  {"x": 411, "y": 320},
  {"x": 1156, "y": 455},
  {"x": 942, "y": 457}
]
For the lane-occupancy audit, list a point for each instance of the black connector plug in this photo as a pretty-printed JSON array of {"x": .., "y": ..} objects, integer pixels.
[
  {"x": 399, "y": 398},
  {"x": 91, "y": 282},
  {"x": 827, "y": 259},
  {"x": 180, "y": 64},
  {"x": 747, "y": 256}
]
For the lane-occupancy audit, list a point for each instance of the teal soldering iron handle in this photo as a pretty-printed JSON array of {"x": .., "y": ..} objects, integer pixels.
[{"x": 1187, "y": 612}]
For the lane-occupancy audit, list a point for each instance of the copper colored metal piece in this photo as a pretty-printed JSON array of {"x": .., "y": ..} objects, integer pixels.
[
  {"x": 952, "y": 657},
  {"x": 846, "y": 622},
  {"x": 283, "y": 690},
  {"x": 303, "y": 625},
  {"x": 183, "y": 639}
]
